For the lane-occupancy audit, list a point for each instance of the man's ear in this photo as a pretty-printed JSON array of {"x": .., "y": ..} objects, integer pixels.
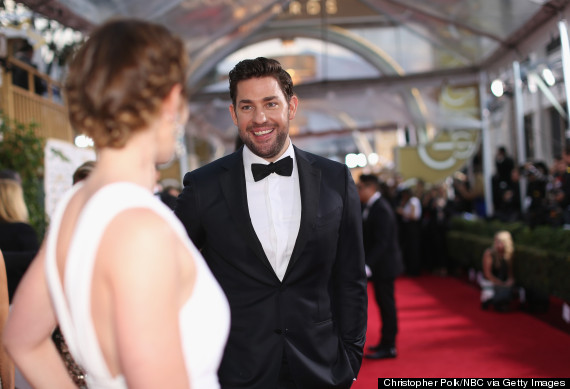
[
  {"x": 233, "y": 113},
  {"x": 293, "y": 103}
]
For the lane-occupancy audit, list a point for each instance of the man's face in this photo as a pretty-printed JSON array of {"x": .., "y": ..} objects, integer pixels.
[
  {"x": 262, "y": 116},
  {"x": 567, "y": 158},
  {"x": 365, "y": 192}
]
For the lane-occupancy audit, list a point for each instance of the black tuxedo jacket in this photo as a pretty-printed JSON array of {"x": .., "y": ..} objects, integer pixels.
[
  {"x": 317, "y": 315},
  {"x": 381, "y": 244}
]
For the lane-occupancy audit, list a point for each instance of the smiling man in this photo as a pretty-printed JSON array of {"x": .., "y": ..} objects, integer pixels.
[{"x": 281, "y": 230}]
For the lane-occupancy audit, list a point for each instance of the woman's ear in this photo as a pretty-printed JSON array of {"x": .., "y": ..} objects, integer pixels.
[{"x": 173, "y": 101}]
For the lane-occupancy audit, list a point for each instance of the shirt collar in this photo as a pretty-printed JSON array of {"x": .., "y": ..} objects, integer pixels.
[{"x": 373, "y": 199}]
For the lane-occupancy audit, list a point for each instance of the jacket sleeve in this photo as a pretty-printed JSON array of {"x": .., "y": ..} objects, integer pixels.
[
  {"x": 349, "y": 288},
  {"x": 187, "y": 206}
]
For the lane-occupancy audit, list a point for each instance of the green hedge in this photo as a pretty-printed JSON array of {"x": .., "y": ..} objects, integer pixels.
[{"x": 541, "y": 257}]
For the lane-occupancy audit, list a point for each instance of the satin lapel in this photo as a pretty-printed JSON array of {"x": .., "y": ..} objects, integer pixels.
[
  {"x": 233, "y": 186},
  {"x": 310, "y": 184}
]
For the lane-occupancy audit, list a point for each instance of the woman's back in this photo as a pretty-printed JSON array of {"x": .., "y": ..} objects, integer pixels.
[{"x": 82, "y": 251}]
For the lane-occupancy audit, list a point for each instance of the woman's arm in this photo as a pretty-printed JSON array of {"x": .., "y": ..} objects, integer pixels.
[
  {"x": 6, "y": 363},
  {"x": 488, "y": 268},
  {"x": 511, "y": 277},
  {"x": 27, "y": 336}
]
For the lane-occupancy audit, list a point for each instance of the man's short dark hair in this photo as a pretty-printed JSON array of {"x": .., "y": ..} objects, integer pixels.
[
  {"x": 83, "y": 171},
  {"x": 369, "y": 179},
  {"x": 257, "y": 68}
]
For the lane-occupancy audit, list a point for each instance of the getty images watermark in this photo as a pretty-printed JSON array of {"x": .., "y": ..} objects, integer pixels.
[{"x": 474, "y": 382}]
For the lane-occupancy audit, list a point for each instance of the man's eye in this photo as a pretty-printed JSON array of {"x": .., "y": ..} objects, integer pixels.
[
  {"x": 272, "y": 105},
  {"x": 246, "y": 107}
]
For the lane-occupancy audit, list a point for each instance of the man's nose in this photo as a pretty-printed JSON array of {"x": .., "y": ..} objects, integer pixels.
[{"x": 259, "y": 116}]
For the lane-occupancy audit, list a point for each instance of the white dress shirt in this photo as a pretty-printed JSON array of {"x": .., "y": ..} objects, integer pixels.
[
  {"x": 412, "y": 210},
  {"x": 275, "y": 210},
  {"x": 369, "y": 203}
]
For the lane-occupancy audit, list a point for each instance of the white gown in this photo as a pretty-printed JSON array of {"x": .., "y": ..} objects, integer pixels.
[{"x": 204, "y": 319}]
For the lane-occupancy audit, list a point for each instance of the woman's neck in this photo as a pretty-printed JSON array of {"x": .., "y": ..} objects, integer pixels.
[{"x": 132, "y": 163}]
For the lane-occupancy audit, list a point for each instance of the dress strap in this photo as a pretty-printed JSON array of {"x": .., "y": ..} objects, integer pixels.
[{"x": 52, "y": 276}]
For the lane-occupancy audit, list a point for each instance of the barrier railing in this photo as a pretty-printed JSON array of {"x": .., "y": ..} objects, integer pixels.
[{"x": 26, "y": 104}]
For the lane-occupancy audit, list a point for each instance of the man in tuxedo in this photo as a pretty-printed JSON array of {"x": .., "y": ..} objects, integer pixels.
[
  {"x": 383, "y": 257},
  {"x": 281, "y": 230}
]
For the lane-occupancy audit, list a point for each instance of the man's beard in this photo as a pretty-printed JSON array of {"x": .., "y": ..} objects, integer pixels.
[{"x": 275, "y": 148}]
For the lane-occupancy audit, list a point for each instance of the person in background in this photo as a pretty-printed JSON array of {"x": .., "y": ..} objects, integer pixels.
[
  {"x": 18, "y": 239},
  {"x": 20, "y": 76},
  {"x": 410, "y": 212},
  {"x": 508, "y": 199},
  {"x": 537, "y": 175},
  {"x": 556, "y": 172},
  {"x": 555, "y": 214},
  {"x": 282, "y": 231},
  {"x": 136, "y": 302},
  {"x": 7, "y": 371},
  {"x": 383, "y": 257},
  {"x": 83, "y": 171},
  {"x": 497, "y": 279},
  {"x": 563, "y": 197},
  {"x": 170, "y": 192},
  {"x": 436, "y": 212},
  {"x": 504, "y": 164},
  {"x": 11, "y": 175},
  {"x": 16, "y": 234}
]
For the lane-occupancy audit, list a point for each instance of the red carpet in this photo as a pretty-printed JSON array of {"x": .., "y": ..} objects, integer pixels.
[{"x": 444, "y": 333}]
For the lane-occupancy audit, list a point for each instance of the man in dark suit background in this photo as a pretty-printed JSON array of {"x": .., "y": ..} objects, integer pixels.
[
  {"x": 281, "y": 230},
  {"x": 383, "y": 257}
]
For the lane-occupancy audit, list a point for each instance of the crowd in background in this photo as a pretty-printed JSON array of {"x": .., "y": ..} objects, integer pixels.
[
  {"x": 547, "y": 198},
  {"x": 422, "y": 213},
  {"x": 547, "y": 202}
]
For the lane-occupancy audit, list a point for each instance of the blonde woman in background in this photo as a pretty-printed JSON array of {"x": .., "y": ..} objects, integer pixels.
[
  {"x": 18, "y": 239},
  {"x": 498, "y": 280},
  {"x": 6, "y": 363},
  {"x": 16, "y": 234}
]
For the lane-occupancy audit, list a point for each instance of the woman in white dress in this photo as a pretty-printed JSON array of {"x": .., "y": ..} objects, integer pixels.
[{"x": 134, "y": 299}]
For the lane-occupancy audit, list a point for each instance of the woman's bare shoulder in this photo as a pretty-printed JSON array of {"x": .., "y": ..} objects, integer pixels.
[{"x": 138, "y": 238}]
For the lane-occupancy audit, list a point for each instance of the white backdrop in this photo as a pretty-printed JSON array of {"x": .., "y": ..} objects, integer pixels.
[{"x": 61, "y": 160}]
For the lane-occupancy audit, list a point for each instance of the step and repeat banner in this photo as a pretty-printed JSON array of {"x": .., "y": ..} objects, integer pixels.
[{"x": 61, "y": 160}]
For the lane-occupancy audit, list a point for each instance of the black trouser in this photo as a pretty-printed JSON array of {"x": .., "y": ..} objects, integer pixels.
[
  {"x": 285, "y": 380},
  {"x": 384, "y": 294},
  {"x": 410, "y": 243}
]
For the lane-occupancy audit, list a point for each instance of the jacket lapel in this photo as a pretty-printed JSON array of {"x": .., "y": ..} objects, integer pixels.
[
  {"x": 309, "y": 184},
  {"x": 233, "y": 186}
]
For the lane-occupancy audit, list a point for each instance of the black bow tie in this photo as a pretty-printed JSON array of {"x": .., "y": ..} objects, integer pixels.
[{"x": 283, "y": 167}]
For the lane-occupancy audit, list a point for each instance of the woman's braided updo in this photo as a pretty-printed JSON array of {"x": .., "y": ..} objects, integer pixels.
[{"x": 119, "y": 78}]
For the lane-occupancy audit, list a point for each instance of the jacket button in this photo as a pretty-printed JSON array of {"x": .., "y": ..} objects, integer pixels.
[{"x": 278, "y": 331}]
